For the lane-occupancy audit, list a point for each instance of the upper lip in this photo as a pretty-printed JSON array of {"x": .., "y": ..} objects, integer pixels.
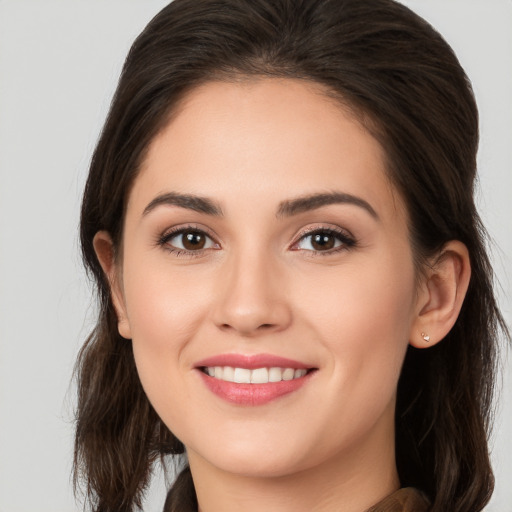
[{"x": 251, "y": 361}]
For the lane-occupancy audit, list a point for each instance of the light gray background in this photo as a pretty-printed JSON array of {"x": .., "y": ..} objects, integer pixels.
[{"x": 59, "y": 62}]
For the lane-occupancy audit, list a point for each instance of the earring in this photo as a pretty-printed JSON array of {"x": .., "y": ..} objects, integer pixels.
[{"x": 426, "y": 337}]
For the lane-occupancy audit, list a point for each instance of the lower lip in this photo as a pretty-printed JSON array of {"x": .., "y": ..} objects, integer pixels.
[{"x": 252, "y": 394}]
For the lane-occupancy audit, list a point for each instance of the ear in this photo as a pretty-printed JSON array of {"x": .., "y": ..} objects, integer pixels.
[
  {"x": 441, "y": 295},
  {"x": 104, "y": 248}
]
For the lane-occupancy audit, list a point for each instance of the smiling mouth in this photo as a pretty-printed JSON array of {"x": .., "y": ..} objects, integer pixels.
[{"x": 255, "y": 375}]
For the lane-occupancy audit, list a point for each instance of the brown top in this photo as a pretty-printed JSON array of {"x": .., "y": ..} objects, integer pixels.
[{"x": 407, "y": 499}]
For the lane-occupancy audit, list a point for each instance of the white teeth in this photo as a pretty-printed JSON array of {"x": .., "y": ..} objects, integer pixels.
[
  {"x": 259, "y": 376},
  {"x": 242, "y": 375},
  {"x": 255, "y": 376},
  {"x": 288, "y": 374},
  {"x": 228, "y": 374},
  {"x": 275, "y": 375}
]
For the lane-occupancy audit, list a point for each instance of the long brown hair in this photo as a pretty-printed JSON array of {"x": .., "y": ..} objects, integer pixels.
[{"x": 405, "y": 84}]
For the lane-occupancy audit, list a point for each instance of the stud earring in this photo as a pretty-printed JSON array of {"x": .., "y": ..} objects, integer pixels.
[{"x": 426, "y": 337}]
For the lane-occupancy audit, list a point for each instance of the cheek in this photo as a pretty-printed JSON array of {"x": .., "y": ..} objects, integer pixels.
[
  {"x": 372, "y": 297},
  {"x": 363, "y": 314},
  {"x": 165, "y": 310}
]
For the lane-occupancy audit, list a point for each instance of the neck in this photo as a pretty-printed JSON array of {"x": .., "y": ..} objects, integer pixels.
[{"x": 352, "y": 481}]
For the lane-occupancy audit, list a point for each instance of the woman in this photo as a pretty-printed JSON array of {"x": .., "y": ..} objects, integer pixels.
[{"x": 293, "y": 281}]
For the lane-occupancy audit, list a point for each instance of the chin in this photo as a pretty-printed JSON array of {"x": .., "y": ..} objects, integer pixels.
[{"x": 251, "y": 459}]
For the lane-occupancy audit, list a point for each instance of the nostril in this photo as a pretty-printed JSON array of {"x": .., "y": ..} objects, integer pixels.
[{"x": 248, "y": 330}]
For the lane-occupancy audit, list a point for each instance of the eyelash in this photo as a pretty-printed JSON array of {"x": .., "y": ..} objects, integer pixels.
[
  {"x": 347, "y": 241},
  {"x": 163, "y": 241}
]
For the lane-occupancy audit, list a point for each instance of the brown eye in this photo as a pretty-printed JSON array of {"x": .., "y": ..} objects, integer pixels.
[
  {"x": 325, "y": 240},
  {"x": 189, "y": 240},
  {"x": 193, "y": 241},
  {"x": 322, "y": 241}
]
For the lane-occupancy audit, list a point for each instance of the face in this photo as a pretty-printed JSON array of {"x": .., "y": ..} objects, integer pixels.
[{"x": 264, "y": 242}]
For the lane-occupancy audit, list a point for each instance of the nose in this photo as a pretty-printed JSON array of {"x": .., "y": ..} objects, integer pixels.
[{"x": 252, "y": 298}]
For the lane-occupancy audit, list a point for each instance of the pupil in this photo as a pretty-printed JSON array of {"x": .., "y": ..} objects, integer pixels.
[
  {"x": 193, "y": 241},
  {"x": 323, "y": 241}
]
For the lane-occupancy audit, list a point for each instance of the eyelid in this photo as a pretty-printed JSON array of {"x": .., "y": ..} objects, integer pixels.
[
  {"x": 347, "y": 239},
  {"x": 168, "y": 234}
]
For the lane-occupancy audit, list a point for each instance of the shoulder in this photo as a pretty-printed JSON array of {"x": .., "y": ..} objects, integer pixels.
[{"x": 407, "y": 499}]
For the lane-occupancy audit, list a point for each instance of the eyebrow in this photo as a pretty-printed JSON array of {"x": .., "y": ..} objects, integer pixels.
[
  {"x": 188, "y": 201},
  {"x": 314, "y": 201},
  {"x": 286, "y": 208}
]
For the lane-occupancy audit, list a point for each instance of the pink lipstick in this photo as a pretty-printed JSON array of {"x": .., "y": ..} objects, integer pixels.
[{"x": 252, "y": 379}]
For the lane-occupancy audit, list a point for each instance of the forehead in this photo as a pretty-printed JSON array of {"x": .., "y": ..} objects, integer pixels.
[{"x": 263, "y": 138}]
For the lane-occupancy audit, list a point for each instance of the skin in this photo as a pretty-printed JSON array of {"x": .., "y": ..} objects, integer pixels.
[{"x": 259, "y": 286}]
